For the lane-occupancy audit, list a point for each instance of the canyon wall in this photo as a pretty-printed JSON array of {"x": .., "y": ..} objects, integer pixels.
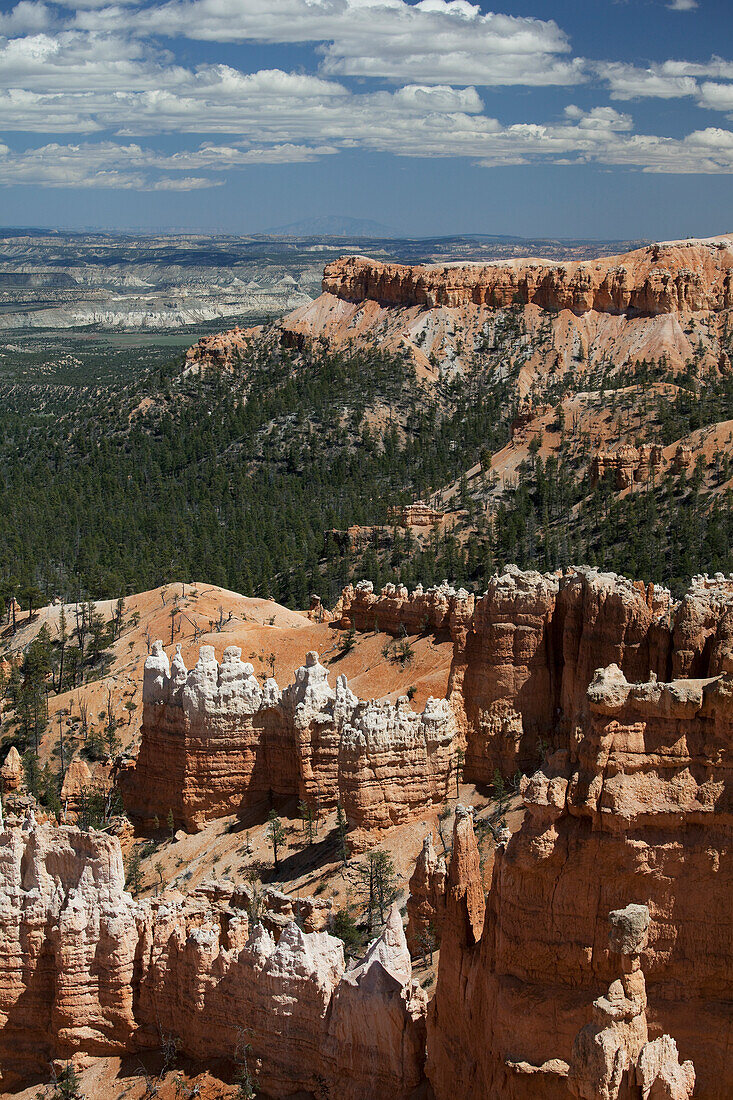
[
  {"x": 638, "y": 810},
  {"x": 215, "y": 742},
  {"x": 85, "y": 969},
  {"x": 661, "y": 278},
  {"x": 525, "y": 652}
]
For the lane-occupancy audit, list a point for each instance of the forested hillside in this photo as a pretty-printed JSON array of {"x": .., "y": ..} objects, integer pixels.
[{"x": 235, "y": 477}]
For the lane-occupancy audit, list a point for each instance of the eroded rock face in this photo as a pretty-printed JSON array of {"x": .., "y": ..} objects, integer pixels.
[
  {"x": 664, "y": 278},
  {"x": 438, "y": 609},
  {"x": 68, "y": 938},
  {"x": 640, "y": 808},
  {"x": 84, "y": 968},
  {"x": 426, "y": 903},
  {"x": 627, "y": 465},
  {"x": 448, "y": 317},
  {"x": 525, "y": 652},
  {"x": 11, "y": 772},
  {"x": 215, "y": 741},
  {"x": 223, "y": 349}
]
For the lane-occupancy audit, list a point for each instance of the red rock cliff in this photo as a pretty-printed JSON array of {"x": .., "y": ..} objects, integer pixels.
[
  {"x": 640, "y": 810},
  {"x": 214, "y": 740},
  {"x": 661, "y": 278}
]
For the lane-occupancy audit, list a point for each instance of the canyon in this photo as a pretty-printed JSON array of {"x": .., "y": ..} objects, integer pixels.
[
  {"x": 215, "y": 741},
  {"x": 538, "y": 761},
  {"x": 610, "y": 699}
]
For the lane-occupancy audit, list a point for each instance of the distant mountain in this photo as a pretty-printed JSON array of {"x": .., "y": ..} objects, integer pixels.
[{"x": 332, "y": 225}]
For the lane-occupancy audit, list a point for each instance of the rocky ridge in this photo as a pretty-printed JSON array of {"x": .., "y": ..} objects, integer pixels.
[
  {"x": 638, "y": 808},
  {"x": 661, "y": 278},
  {"x": 616, "y": 310},
  {"x": 215, "y": 741},
  {"x": 86, "y": 970}
]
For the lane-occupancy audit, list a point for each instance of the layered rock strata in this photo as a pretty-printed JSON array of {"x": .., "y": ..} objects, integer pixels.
[
  {"x": 612, "y": 1057},
  {"x": 68, "y": 944},
  {"x": 549, "y": 318},
  {"x": 85, "y": 969},
  {"x": 639, "y": 808},
  {"x": 525, "y": 652},
  {"x": 661, "y": 278},
  {"x": 628, "y": 465},
  {"x": 215, "y": 741}
]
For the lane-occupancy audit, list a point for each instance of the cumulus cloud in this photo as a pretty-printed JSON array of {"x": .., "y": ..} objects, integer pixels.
[
  {"x": 718, "y": 97},
  {"x": 601, "y": 136},
  {"x": 682, "y": 5},
  {"x": 106, "y": 75},
  {"x": 433, "y": 41},
  {"x": 631, "y": 82},
  {"x": 108, "y": 164},
  {"x": 672, "y": 80},
  {"x": 25, "y": 18}
]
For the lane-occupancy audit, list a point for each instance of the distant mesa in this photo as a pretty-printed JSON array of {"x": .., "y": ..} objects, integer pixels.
[{"x": 667, "y": 301}]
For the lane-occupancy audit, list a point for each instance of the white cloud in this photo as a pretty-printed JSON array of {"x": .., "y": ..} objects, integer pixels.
[
  {"x": 70, "y": 62},
  {"x": 25, "y": 18},
  {"x": 600, "y": 136},
  {"x": 672, "y": 80},
  {"x": 631, "y": 82},
  {"x": 682, "y": 5},
  {"x": 108, "y": 164},
  {"x": 718, "y": 97},
  {"x": 430, "y": 42},
  {"x": 100, "y": 69}
]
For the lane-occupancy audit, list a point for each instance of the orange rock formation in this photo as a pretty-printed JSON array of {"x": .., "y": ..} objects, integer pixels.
[
  {"x": 661, "y": 278},
  {"x": 11, "y": 772},
  {"x": 630, "y": 814},
  {"x": 426, "y": 903},
  {"x": 85, "y": 969},
  {"x": 639, "y": 808},
  {"x": 525, "y": 652},
  {"x": 215, "y": 741},
  {"x": 628, "y": 465},
  {"x": 222, "y": 349}
]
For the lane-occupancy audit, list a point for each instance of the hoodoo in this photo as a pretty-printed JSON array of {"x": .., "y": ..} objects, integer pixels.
[
  {"x": 216, "y": 741},
  {"x": 639, "y": 807}
]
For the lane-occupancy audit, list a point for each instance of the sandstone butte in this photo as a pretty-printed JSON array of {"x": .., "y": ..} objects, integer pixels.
[
  {"x": 215, "y": 741},
  {"x": 616, "y": 308},
  {"x": 631, "y": 695}
]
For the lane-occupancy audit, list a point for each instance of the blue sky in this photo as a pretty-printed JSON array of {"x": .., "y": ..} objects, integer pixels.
[{"x": 610, "y": 118}]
